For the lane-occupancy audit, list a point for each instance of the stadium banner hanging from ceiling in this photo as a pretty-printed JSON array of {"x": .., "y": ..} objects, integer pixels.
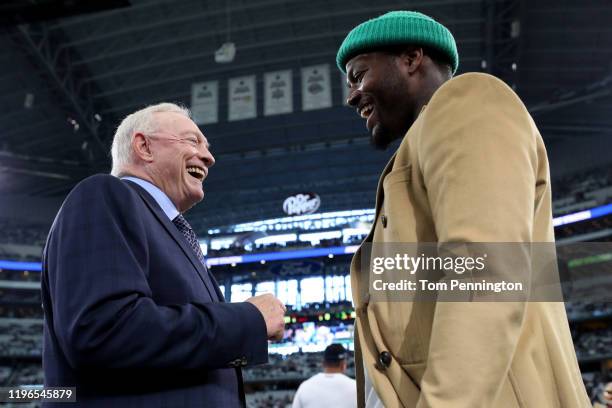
[
  {"x": 316, "y": 87},
  {"x": 242, "y": 98},
  {"x": 302, "y": 203},
  {"x": 278, "y": 93},
  {"x": 205, "y": 102}
]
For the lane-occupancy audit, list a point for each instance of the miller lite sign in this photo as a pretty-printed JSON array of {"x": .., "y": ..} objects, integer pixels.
[{"x": 301, "y": 203}]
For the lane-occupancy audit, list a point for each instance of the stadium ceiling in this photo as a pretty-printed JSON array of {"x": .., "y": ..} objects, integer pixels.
[{"x": 66, "y": 82}]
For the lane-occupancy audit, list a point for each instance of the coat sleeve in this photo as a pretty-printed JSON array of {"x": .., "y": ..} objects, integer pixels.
[
  {"x": 477, "y": 155},
  {"x": 103, "y": 311}
]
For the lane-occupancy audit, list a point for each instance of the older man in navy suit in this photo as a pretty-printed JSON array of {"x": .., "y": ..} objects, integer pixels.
[{"x": 133, "y": 317}]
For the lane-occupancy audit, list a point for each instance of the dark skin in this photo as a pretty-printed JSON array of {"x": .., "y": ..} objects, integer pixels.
[{"x": 390, "y": 90}]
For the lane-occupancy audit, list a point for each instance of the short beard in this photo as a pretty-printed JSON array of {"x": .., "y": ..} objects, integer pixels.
[{"x": 381, "y": 137}]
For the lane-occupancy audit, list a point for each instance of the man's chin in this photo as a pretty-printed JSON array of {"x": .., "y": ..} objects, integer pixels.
[
  {"x": 198, "y": 197},
  {"x": 380, "y": 138},
  {"x": 193, "y": 199}
]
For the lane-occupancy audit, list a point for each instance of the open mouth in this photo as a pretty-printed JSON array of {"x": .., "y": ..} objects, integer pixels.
[
  {"x": 196, "y": 172},
  {"x": 366, "y": 110}
]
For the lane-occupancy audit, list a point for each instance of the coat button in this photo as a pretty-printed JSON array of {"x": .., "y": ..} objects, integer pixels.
[
  {"x": 383, "y": 220},
  {"x": 384, "y": 359}
]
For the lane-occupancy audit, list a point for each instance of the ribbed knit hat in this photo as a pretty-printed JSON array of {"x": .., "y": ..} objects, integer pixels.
[{"x": 396, "y": 28}]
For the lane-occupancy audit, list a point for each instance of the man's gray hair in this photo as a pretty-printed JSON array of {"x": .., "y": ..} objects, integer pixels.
[{"x": 140, "y": 121}]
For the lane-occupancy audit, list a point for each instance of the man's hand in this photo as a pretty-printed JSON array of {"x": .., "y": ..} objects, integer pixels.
[{"x": 273, "y": 312}]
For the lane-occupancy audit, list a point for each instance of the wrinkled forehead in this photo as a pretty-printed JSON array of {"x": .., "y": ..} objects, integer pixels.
[{"x": 177, "y": 123}]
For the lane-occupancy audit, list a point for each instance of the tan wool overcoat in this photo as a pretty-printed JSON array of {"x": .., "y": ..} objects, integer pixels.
[{"x": 472, "y": 168}]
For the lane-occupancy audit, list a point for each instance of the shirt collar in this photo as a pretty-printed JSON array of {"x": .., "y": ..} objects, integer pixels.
[{"x": 160, "y": 197}]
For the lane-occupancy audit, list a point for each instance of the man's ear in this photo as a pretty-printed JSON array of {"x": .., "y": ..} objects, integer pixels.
[
  {"x": 141, "y": 147},
  {"x": 411, "y": 59}
]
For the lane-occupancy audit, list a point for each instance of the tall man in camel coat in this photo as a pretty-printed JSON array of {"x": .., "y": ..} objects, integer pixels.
[{"x": 471, "y": 167}]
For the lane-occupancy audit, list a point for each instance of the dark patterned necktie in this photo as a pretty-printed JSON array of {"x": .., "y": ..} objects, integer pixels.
[
  {"x": 181, "y": 223},
  {"x": 183, "y": 226}
]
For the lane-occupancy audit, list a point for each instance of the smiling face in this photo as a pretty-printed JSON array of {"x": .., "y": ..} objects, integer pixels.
[
  {"x": 381, "y": 92},
  {"x": 179, "y": 158}
]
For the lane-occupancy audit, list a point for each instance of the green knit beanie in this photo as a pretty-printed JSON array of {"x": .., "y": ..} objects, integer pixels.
[{"x": 396, "y": 28}]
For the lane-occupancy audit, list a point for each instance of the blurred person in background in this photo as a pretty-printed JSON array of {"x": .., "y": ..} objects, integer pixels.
[
  {"x": 331, "y": 388},
  {"x": 605, "y": 399},
  {"x": 471, "y": 167},
  {"x": 132, "y": 315}
]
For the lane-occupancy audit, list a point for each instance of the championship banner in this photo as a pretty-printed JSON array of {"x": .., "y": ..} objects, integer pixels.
[
  {"x": 205, "y": 102},
  {"x": 242, "y": 98},
  {"x": 278, "y": 93},
  {"x": 316, "y": 87}
]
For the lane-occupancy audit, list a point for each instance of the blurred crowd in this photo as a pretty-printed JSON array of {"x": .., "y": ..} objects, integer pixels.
[{"x": 298, "y": 366}]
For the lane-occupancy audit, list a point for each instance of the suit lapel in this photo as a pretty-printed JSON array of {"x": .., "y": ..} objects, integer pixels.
[
  {"x": 363, "y": 281},
  {"x": 178, "y": 237},
  {"x": 380, "y": 191},
  {"x": 220, "y": 294}
]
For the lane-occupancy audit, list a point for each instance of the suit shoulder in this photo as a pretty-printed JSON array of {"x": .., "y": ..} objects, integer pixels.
[
  {"x": 476, "y": 87},
  {"x": 99, "y": 183},
  {"x": 475, "y": 107},
  {"x": 476, "y": 98},
  {"x": 99, "y": 189},
  {"x": 99, "y": 180},
  {"x": 475, "y": 80}
]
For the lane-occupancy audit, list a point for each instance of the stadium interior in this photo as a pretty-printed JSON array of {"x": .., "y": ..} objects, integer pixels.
[{"x": 70, "y": 72}]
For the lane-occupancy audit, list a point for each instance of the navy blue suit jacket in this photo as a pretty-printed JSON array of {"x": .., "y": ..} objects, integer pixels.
[{"x": 132, "y": 317}]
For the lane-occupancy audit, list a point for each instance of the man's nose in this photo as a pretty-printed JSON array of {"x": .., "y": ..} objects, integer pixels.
[
  {"x": 353, "y": 98},
  {"x": 208, "y": 158}
]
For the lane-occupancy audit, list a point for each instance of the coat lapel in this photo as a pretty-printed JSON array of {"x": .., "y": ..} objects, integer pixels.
[
  {"x": 178, "y": 237},
  {"x": 360, "y": 280},
  {"x": 363, "y": 279}
]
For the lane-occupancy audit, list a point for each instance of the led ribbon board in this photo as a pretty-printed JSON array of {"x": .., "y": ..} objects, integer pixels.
[{"x": 595, "y": 212}]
